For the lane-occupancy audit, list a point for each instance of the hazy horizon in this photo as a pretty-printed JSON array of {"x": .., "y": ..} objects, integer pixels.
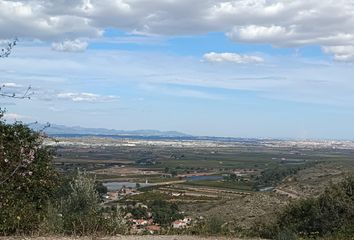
[{"x": 52, "y": 130}]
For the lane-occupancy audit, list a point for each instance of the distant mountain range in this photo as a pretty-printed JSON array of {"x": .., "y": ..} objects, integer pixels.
[{"x": 55, "y": 129}]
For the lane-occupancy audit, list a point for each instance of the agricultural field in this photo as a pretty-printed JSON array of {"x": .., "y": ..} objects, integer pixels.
[{"x": 239, "y": 181}]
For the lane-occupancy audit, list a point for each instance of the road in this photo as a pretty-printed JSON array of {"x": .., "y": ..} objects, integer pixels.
[{"x": 146, "y": 237}]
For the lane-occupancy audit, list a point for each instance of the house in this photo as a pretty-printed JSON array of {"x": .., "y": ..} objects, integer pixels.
[
  {"x": 153, "y": 229},
  {"x": 139, "y": 222},
  {"x": 181, "y": 223},
  {"x": 111, "y": 196}
]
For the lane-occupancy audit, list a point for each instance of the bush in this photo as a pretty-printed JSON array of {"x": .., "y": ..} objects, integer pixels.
[
  {"x": 210, "y": 226},
  {"x": 330, "y": 214},
  {"x": 53, "y": 223},
  {"x": 286, "y": 234},
  {"x": 35, "y": 199},
  {"x": 164, "y": 213},
  {"x": 28, "y": 180},
  {"x": 83, "y": 213},
  {"x": 80, "y": 208}
]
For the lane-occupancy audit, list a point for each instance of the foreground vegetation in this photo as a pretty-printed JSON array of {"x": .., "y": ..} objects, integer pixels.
[
  {"x": 329, "y": 215},
  {"x": 36, "y": 199}
]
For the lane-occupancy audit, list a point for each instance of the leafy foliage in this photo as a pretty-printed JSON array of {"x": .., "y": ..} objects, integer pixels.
[
  {"x": 81, "y": 211},
  {"x": 213, "y": 225},
  {"x": 164, "y": 213},
  {"x": 272, "y": 176},
  {"x": 27, "y": 178},
  {"x": 34, "y": 198},
  {"x": 330, "y": 214},
  {"x": 81, "y": 205},
  {"x": 138, "y": 212}
]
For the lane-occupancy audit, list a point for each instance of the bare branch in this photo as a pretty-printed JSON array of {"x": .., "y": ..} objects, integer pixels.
[
  {"x": 5, "y": 52},
  {"x": 26, "y": 95}
]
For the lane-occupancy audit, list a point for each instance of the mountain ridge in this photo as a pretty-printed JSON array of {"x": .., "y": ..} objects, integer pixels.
[{"x": 56, "y": 129}]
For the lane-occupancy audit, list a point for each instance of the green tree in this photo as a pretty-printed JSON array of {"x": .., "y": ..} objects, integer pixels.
[
  {"x": 164, "y": 212},
  {"x": 28, "y": 180},
  {"x": 81, "y": 206},
  {"x": 82, "y": 211},
  {"x": 101, "y": 189},
  {"x": 330, "y": 214}
]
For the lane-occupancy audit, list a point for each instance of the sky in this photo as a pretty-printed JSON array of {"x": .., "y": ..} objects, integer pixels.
[{"x": 241, "y": 68}]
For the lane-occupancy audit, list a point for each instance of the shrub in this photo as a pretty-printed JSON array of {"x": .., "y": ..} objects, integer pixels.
[
  {"x": 80, "y": 208},
  {"x": 83, "y": 213},
  {"x": 164, "y": 213},
  {"x": 28, "y": 180},
  {"x": 210, "y": 226},
  {"x": 330, "y": 214}
]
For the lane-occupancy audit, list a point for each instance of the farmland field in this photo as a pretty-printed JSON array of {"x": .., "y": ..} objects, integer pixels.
[{"x": 241, "y": 181}]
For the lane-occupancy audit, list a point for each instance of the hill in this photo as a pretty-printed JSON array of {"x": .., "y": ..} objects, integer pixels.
[{"x": 55, "y": 129}]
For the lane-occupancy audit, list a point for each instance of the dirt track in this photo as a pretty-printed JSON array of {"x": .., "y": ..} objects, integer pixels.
[{"x": 148, "y": 237}]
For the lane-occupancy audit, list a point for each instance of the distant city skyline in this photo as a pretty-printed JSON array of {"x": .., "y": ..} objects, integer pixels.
[{"x": 243, "y": 68}]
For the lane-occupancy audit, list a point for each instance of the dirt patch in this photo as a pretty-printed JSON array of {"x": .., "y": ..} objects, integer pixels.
[{"x": 146, "y": 237}]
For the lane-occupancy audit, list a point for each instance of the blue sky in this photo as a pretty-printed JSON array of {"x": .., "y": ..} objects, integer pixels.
[{"x": 245, "y": 68}]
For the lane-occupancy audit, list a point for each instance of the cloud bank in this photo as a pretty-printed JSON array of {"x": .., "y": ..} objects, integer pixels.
[
  {"x": 283, "y": 23},
  {"x": 85, "y": 97}
]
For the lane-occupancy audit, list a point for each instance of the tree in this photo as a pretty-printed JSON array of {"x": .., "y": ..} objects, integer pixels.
[
  {"x": 82, "y": 211},
  {"x": 34, "y": 197},
  {"x": 101, "y": 189},
  {"x": 331, "y": 213},
  {"x": 164, "y": 213},
  {"x": 81, "y": 205},
  {"x": 28, "y": 179}
]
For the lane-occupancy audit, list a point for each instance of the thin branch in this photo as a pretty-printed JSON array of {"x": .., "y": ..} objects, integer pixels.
[
  {"x": 26, "y": 95},
  {"x": 13, "y": 173},
  {"x": 5, "y": 52}
]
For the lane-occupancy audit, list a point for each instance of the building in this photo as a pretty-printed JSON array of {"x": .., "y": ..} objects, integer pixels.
[
  {"x": 153, "y": 229},
  {"x": 181, "y": 223}
]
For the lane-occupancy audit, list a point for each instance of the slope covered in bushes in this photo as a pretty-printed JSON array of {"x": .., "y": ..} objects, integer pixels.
[{"x": 330, "y": 214}]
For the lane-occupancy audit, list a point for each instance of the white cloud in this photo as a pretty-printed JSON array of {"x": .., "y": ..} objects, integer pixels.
[
  {"x": 70, "y": 46},
  {"x": 12, "y": 88},
  {"x": 259, "y": 34},
  {"x": 11, "y": 85},
  {"x": 85, "y": 97},
  {"x": 109, "y": 72},
  {"x": 326, "y": 23},
  {"x": 231, "y": 57},
  {"x": 278, "y": 22},
  {"x": 40, "y": 20},
  {"x": 341, "y": 53},
  {"x": 15, "y": 116}
]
